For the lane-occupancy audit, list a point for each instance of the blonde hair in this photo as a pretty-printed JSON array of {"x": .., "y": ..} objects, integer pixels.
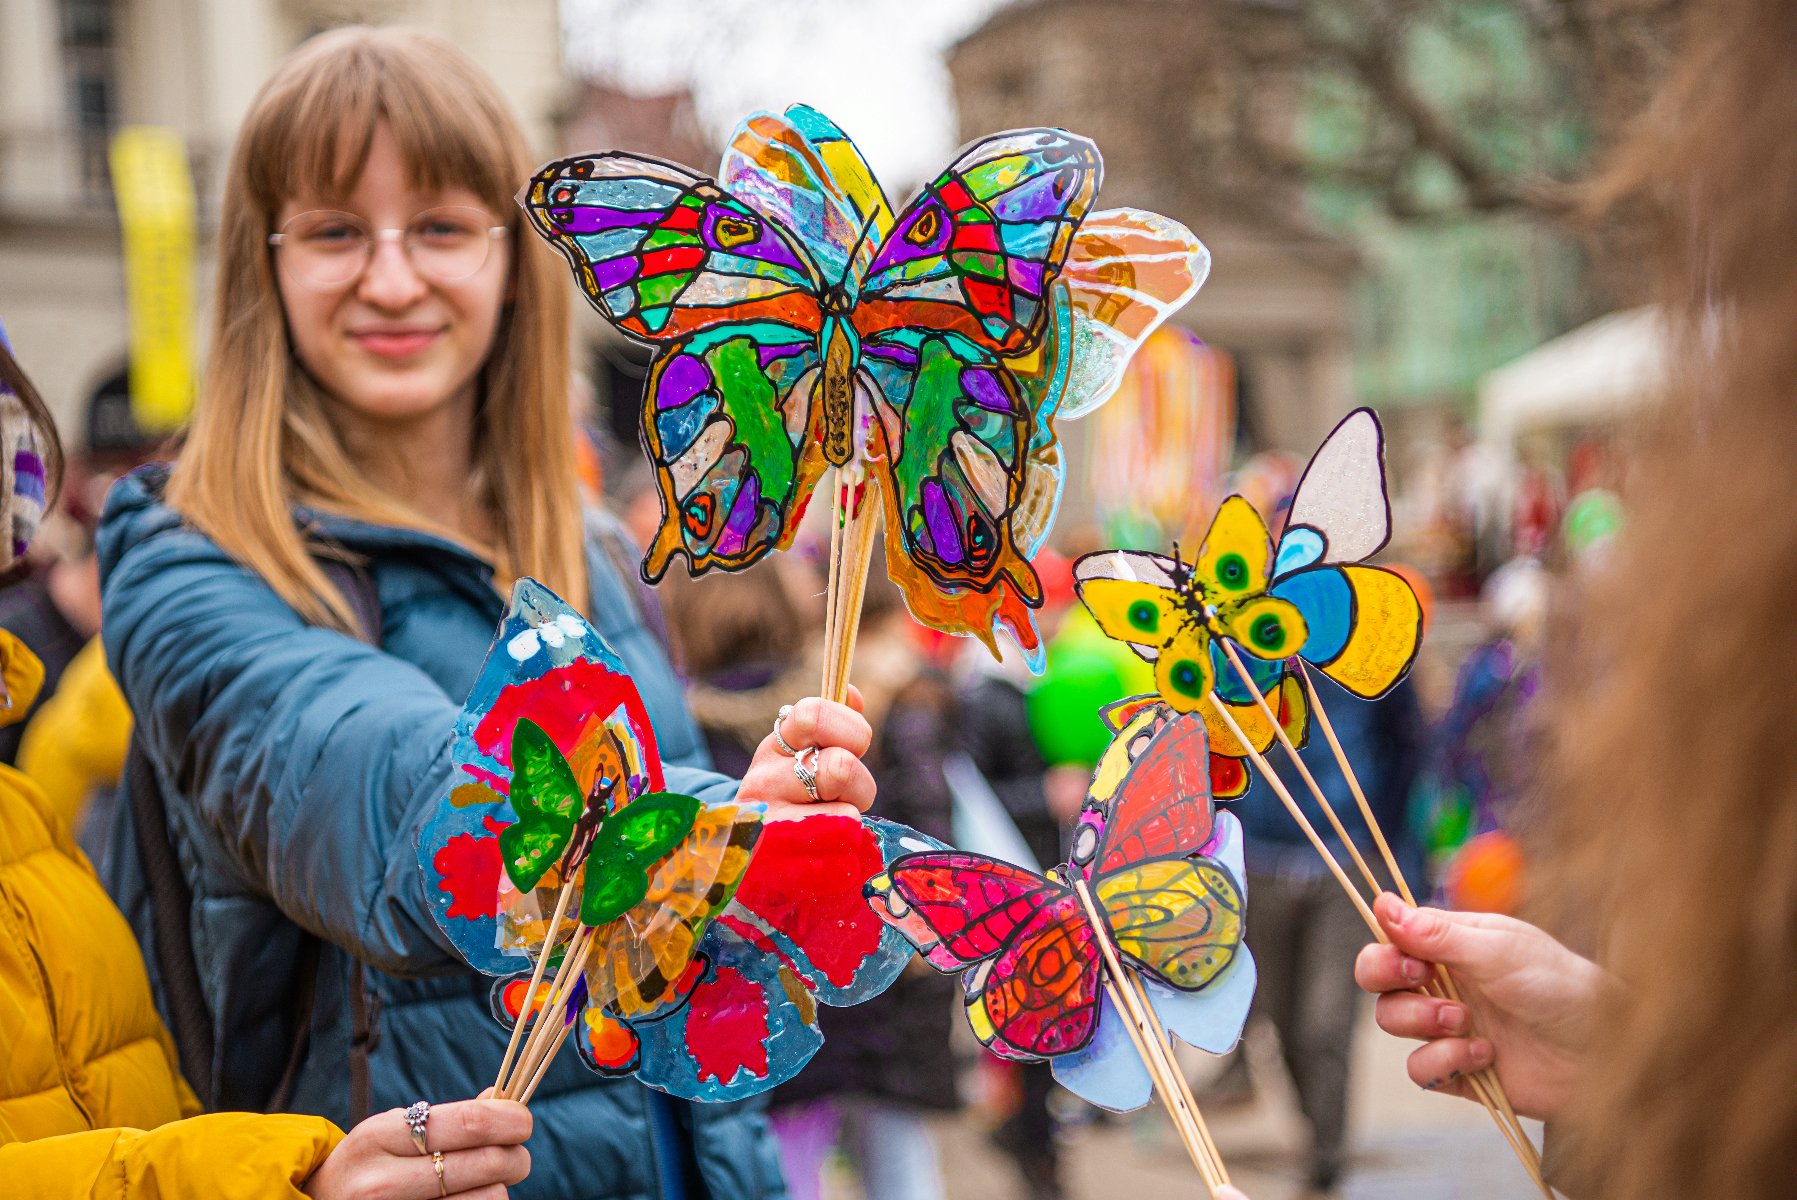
[
  {"x": 262, "y": 439},
  {"x": 1674, "y": 815}
]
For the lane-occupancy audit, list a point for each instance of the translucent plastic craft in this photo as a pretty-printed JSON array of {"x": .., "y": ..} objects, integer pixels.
[
  {"x": 712, "y": 935},
  {"x": 1310, "y": 598},
  {"x": 800, "y": 324},
  {"x": 1164, "y": 871}
]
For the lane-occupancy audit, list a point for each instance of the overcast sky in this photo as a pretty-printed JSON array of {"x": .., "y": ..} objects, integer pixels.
[{"x": 874, "y": 66}]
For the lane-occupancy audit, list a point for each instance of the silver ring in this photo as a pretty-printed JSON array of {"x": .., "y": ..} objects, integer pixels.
[
  {"x": 416, "y": 1116},
  {"x": 806, "y": 776},
  {"x": 779, "y": 740}
]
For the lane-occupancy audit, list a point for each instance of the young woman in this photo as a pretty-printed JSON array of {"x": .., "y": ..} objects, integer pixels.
[
  {"x": 387, "y": 389},
  {"x": 92, "y": 1103},
  {"x": 1666, "y": 1067}
]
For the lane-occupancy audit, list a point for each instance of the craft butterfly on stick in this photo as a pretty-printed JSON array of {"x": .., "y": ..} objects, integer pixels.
[
  {"x": 677, "y": 938},
  {"x": 1137, "y": 936},
  {"x": 799, "y": 325},
  {"x": 1312, "y": 602}
]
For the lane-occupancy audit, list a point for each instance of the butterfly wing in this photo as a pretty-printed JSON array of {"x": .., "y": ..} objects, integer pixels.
[
  {"x": 1125, "y": 273},
  {"x": 1038, "y": 996},
  {"x": 649, "y": 946},
  {"x": 735, "y": 442},
  {"x": 956, "y": 907},
  {"x": 663, "y": 252},
  {"x": 547, "y": 800},
  {"x": 801, "y": 170},
  {"x": 1179, "y": 919},
  {"x": 1340, "y": 511},
  {"x": 1153, "y": 785},
  {"x": 1365, "y": 624},
  {"x": 1135, "y": 599},
  {"x": 950, "y": 432},
  {"x": 976, "y": 251},
  {"x": 549, "y": 667}
]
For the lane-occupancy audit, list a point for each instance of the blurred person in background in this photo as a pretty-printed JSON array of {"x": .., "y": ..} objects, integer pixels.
[
  {"x": 1664, "y": 1065},
  {"x": 92, "y": 1103},
  {"x": 1042, "y": 799},
  {"x": 886, "y": 1064},
  {"x": 297, "y": 609},
  {"x": 1303, "y": 931},
  {"x": 1487, "y": 745}
]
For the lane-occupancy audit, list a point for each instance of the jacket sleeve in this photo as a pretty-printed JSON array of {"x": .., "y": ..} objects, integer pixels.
[
  {"x": 225, "y": 1156},
  {"x": 309, "y": 758}
]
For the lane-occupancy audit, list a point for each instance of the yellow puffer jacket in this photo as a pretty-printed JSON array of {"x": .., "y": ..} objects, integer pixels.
[{"x": 91, "y": 1101}]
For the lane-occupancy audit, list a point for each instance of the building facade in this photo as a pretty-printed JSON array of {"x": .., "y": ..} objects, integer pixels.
[{"x": 72, "y": 72}]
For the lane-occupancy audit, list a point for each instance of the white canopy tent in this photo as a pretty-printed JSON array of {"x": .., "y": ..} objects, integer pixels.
[{"x": 1590, "y": 376}]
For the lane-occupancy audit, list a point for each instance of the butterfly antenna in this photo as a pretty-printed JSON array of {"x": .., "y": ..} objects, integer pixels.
[{"x": 860, "y": 240}]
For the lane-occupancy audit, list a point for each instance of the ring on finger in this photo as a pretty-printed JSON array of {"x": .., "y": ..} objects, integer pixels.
[
  {"x": 416, "y": 1116},
  {"x": 780, "y": 738},
  {"x": 806, "y": 774},
  {"x": 437, "y": 1162}
]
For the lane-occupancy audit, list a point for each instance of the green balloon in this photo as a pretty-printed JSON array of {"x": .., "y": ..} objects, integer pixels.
[{"x": 1086, "y": 671}]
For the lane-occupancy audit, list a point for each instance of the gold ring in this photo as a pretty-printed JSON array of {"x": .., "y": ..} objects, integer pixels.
[{"x": 437, "y": 1162}]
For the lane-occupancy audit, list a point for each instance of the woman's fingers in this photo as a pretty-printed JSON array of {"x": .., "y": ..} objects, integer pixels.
[
  {"x": 842, "y": 776},
  {"x": 1382, "y": 968},
  {"x": 1409, "y": 1015},
  {"x": 470, "y": 1170},
  {"x": 457, "y": 1126},
  {"x": 1445, "y": 1062},
  {"x": 815, "y": 721}
]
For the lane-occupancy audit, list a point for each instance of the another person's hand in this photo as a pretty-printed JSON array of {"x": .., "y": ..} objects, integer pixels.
[
  {"x": 840, "y": 735},
  {"x": 1533, "y": 1002},
  {"x": 482, "y": 1143}
]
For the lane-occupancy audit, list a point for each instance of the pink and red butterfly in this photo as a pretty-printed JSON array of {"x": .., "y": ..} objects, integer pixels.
[{"x": 1163, "y": 869}]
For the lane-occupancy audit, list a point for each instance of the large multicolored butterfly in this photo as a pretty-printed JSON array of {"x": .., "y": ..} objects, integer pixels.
[
  {"x": 1164, "y": 870},
  {"x": 800, "y": 324},
  {"x": 714, "y": 937}
]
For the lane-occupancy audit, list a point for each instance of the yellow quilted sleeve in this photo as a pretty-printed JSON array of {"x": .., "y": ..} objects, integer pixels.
[
  {"x": 224, "y": 1156},
  {"x": 77, "y": 740}
]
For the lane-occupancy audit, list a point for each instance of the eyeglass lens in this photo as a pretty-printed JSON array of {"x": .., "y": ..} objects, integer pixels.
[{"x": 445, "y": 245}]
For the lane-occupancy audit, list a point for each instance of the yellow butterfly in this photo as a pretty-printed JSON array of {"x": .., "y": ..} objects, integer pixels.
[{"x": 1170, "y": 611}]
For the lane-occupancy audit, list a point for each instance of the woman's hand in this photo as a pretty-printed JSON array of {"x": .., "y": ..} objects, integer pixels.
[
  {"x": 482, "y": 1142},
  {"x": 840, "y": 735},
  {"x": 1534, "y": 1002}
]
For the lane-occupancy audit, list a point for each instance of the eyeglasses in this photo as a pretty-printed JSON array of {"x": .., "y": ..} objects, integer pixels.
[{"x": 326, "y": 249}]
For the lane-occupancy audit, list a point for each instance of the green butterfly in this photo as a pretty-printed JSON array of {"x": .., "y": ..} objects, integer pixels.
[{"x": 621, "y": 840}]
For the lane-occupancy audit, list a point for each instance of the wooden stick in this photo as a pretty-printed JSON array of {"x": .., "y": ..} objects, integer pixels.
[
  {"x": 1486, "y": 1080},
  {"x": 851, "y": 555},
  {"x": 536, "y": 976},
  {"x": 546, "y": 1044},
  {"x": 1185, "y": 1089},
  {"x": 1530, "y": 1161},
  {"x": 831, "y": 600},
  {"x": 557, "y": 998},
  {"x": 1303, "y": 768},
  {"x": 543, "y": 1068},
  {"x": 1291, "y": 806},
  {"x": 1162, "y": 1070}
]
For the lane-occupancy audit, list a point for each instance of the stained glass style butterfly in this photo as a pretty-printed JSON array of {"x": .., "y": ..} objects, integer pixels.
[
  {"x": 800, "y": 324},
  {"x": 708, "y": 956},
  {"x": 1165, "y": 872}
]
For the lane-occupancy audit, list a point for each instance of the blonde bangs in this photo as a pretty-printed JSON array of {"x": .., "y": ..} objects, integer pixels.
[{"x": 262, "y": 439}]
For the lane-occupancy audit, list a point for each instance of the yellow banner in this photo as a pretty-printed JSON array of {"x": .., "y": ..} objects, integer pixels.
[{"x": 156, "y": 215}]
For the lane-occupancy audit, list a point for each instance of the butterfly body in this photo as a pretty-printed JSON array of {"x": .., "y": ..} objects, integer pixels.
[{"x": 800, "y": 324}]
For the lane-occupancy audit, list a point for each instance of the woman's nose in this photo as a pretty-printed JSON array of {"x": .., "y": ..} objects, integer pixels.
[{"x": 391, "y": 281}]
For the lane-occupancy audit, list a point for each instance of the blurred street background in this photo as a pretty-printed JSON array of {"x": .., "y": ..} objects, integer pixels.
[{"x": 1392, "y": 194}]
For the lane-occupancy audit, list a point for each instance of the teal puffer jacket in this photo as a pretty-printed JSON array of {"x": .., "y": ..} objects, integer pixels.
[{"x": 298, "y": 766}]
